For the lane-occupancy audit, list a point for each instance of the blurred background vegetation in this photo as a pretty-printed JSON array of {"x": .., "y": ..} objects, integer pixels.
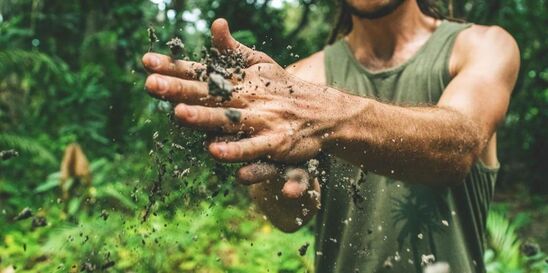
[{"x": 70, "y": 73}]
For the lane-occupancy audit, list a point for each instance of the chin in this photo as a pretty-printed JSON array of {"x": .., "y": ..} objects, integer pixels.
[
  {"x": 372, "y": 9},
  {"x": 368, "y": 5}
]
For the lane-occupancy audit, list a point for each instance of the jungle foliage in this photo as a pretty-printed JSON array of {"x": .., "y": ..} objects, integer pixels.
[{"x": 70, "y": 72}]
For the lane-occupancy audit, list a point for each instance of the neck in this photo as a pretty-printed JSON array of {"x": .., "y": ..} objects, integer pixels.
[{"x": 381, "y": 38}]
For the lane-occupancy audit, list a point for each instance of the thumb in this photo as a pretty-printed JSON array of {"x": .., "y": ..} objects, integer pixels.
[
  {"x": 224, "y": 42},
  {"x": 298, "y": 182}
]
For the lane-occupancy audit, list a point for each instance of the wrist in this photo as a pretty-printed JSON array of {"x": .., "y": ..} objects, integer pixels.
[{"x": 348, "y": 121}]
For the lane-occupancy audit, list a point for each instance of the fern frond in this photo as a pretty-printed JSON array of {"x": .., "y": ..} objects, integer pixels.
[
  {"x": 26, "y": 145},
  {"x": 503, "y": 239},
  {"x": 22, "y": 61}
]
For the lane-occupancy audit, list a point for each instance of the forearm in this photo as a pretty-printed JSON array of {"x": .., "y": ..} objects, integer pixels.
[{"x": 429, "y": 145}]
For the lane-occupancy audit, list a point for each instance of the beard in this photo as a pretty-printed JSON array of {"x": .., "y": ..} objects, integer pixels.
[{"x": 376, "y": 13}]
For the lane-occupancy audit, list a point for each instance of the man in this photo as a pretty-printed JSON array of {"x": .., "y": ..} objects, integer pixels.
[{"x": 405, "y": 105}]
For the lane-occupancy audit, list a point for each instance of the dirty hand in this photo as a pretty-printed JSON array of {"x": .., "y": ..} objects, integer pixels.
[
  {"x": 300, "y": 194},
  {"x": 283, "y": 118},
  {"x": 298, "y": 180}
]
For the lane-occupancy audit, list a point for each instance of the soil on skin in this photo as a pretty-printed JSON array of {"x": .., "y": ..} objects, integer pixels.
[{"x": 233, "y": 115}]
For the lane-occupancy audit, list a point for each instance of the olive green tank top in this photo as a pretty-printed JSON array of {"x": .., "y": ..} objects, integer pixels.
[{"x": 370, "y": 223}]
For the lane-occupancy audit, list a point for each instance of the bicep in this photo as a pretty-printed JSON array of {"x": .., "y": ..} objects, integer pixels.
[{"x": 482, "y": 87}]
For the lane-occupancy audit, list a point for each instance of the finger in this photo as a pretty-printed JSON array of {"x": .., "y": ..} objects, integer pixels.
[
  {"x": 214, "y": 118},
  {"x": 213, "y": 137},
  {"x": 244, "y": 150},
  {"x": 223, "y": 40},
  {"x": 294, "y": 189},
  {"x": 177, "y": 90},
  {"x": 162, "y": 64},
  {"x": 257, "y": 172},
  {"x": 186, "y": 91},
  {"x": 298, "y": 181}
]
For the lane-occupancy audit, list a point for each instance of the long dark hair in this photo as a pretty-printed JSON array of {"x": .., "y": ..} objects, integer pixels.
[{"x": 343, "y": 23}]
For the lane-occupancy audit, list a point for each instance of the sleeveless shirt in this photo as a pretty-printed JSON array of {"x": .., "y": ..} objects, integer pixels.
[{"x": 371, "y": 223}]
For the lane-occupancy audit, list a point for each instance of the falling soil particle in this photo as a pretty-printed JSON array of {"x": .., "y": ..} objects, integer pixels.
[
  {"x": 87, "y": 267},
  {"x": 530, "y": 249},
  {"x": 356, "y": 195},
  {"x": 108, "y": 265},
  {"x": 152, "y": 38},
  {"x": 39, "y": 221},
  {"x": 24, "y": 214},
  {"x": 438, "y": 267},
  {"x": 303, "y": 249},
  {"x": 86, "y": 239},
  {"x": 161, "y": 168},
  {"x": 8, "y": 154},
  {"x": 104, "y": 214},
  {"x": 176, "y": 46},
  {"x": 427, "y": 259},
  {"x": 388, "y": 263}
]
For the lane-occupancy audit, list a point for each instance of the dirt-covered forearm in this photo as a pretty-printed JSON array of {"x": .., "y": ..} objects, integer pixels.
[{"x": 429, "y": 145}]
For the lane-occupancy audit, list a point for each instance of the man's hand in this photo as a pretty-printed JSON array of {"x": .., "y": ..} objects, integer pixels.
[
  {"x": 288, "y": 205},
  {"x": 285, "y": 119},
  {"x": 281, "y": 116}
]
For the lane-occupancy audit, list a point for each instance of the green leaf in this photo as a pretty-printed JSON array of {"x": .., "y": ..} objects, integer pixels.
[{"x": 51, "y": 182}]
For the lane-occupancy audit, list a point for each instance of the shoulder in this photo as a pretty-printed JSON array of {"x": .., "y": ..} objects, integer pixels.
[
  {"x": 487, "y": 46},
  {"x": 310, "y": 69}
]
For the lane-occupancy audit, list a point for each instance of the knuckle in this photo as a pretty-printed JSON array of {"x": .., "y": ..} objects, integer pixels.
[
  {"x": 172, "y": 68},
  {"x": 253, "y": 70},
  {"x": 281, "y": 146},
  {"x": 210, "y": 117},
  {"x": 237, "y": 152}
]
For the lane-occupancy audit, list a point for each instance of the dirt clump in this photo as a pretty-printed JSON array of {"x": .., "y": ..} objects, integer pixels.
[
  {"x": 219, "y": 70},
  {"x": 176, "y": 46}
]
